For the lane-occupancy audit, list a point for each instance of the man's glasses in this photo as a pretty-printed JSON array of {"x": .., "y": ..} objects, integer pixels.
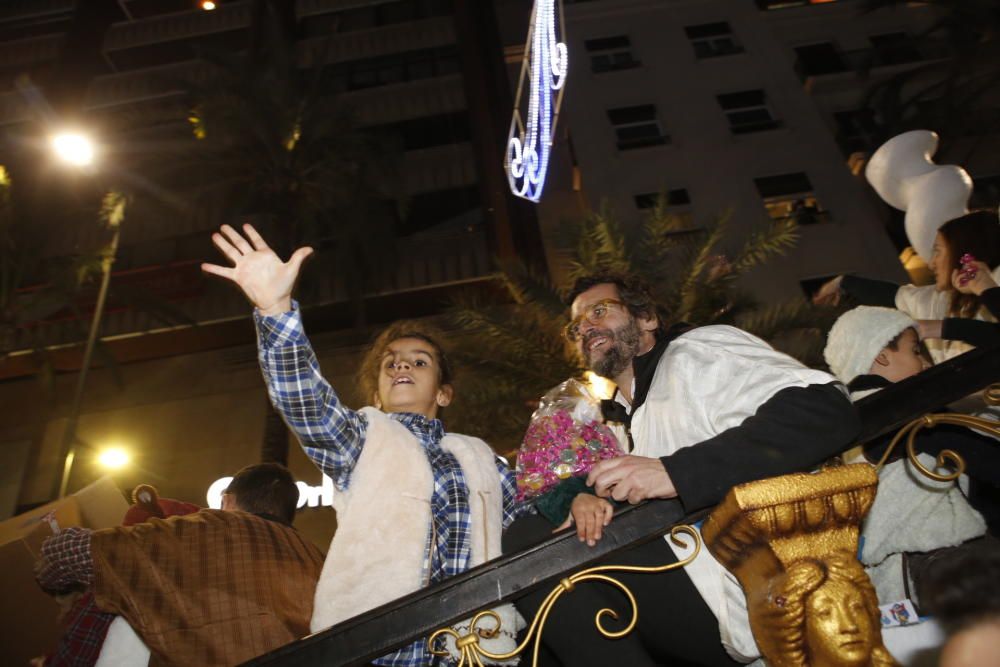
[{"x": 594, "y": 313}]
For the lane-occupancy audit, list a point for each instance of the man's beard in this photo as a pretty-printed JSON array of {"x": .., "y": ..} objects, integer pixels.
[{"x": 622, "y": 347}]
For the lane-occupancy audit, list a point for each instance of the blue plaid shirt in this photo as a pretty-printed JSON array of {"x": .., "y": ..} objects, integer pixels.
[{"x": 333, "y": 436}]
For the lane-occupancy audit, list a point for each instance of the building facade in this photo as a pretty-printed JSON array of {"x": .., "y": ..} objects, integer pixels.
[
  {"x": 755, "y": 108},
  {"x": 411, "y": 71}
]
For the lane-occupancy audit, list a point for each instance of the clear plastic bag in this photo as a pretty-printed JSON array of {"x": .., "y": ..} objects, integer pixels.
[{"x": 565, "y": 438}]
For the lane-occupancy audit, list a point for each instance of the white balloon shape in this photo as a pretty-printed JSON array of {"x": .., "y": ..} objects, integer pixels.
[{"x": 902, "y": 173}]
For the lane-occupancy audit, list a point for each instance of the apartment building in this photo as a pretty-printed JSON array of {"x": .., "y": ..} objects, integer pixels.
[
  {"x": 754, "y": 107},
  {"x": 422, "y": 72}
]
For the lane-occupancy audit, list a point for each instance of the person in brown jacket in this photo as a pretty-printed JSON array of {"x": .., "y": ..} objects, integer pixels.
[{"x": 217, "y": 587}]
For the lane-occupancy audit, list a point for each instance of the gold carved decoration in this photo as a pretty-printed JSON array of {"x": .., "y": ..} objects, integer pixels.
[
  {"x": 946, "y": 456},
  {"x": 792, "y": 541},
  {"x": 472, "y": 652}
]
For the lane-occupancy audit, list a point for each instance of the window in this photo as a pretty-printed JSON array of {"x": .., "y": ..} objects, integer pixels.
[
  {"x": 711, "y": 40},
  {"x": 398, "y": 67},
  {"x": 647, "y": 200},
  {"x": 747, "y": 111},
  {"x": 790, "y": 196},
  {"x": 429, "y": 131},
  {"x": 856, "y": 130},
  {"x": 429, "y": 209},
  {"x": 610, "y": 54},
  {"x": 636, "y": 127},
  {"x": 818, "y": 59},
  {"x": 894, "y": 48}
]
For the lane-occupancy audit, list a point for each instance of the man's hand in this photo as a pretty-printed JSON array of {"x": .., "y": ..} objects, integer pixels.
[
  {"x": 265, "y": 280},
  {"x": 631, "y": 478},
  {"x": 590, "y": 514}
]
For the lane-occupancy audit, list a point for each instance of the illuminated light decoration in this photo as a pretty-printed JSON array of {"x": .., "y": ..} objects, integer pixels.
[
  {"x": 543, "y": 71},
  {"x": 309, "y": 496}
]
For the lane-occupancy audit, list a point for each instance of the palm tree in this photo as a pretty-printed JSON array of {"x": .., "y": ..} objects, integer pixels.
[{"x": 514, "y": 350}]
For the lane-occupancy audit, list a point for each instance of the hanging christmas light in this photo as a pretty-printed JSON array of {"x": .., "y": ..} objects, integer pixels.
[{"x": 536, "y": 106}]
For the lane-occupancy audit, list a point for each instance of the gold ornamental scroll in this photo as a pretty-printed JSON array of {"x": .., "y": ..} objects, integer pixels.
[{"x": 792, "y": 543}]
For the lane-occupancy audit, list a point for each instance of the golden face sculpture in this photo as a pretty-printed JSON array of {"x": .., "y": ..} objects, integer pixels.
[
  {"x": 826, "y": 613},
  {"x": 838, "y": 626}
]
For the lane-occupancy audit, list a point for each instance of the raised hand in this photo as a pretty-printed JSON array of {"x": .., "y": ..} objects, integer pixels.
[
  {"x": 265, "y": 280},
  {"x": 980, "y": 280}
]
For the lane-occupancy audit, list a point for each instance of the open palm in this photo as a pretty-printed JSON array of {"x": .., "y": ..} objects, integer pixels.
[{"x": 265, "y": 280}]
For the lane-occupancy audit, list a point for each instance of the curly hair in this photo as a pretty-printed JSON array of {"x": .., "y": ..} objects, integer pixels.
[
  {"x": 634, "y": 292},
  {"x": 785, "y": 615},
  {"x": 372, "y": 361},
  {"x": 963, "y": 589}
]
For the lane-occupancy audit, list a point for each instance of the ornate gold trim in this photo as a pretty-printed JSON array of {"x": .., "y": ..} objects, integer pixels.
[
  {"x": 473, "y": 653},
  {"x": 946, "y": 456}
]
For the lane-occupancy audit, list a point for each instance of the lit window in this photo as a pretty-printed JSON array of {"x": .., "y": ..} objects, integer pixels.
[
  {"x": 636, "y": 127},
  {"x": 610, "y": 54},
  {"x": 747, "y": 111},
  {"x": 791, "y": 197},
  {"x": 711, "y": 40}
]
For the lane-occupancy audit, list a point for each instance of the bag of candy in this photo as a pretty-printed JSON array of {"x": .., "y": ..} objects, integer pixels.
[{"x": 565, "y": 438}]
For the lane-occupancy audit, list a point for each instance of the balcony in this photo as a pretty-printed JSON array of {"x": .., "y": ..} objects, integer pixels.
[
  {"x": 377, "y": 42},
  {"x": 24, "y": 53},
  {"x": 845, "y": 67},
  {"x": 33, "y": 9},
  {"x": 452, "y": 253}
]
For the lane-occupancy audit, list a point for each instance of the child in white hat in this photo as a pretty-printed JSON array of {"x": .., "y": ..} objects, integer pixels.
[{"x": 870, "y": 347}]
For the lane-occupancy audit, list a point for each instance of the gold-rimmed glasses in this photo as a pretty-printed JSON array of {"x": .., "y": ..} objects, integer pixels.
[{"x": 593, "y": 313}]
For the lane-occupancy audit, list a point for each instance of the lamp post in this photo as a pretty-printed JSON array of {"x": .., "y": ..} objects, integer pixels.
[{"x": 77, "y": 150}]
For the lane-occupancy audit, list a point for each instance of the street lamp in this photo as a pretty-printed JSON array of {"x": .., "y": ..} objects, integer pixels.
[
  {"x": 78, "y": 151},
  {"x": 73, "y": 148},
  {"x": 113, "y": 458}
]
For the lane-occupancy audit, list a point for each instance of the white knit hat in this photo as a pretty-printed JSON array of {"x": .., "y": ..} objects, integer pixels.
[{"x": 859, "y": 335}]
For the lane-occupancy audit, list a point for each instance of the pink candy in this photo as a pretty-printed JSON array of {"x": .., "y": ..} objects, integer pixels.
[{"x": 557, "y": 446}]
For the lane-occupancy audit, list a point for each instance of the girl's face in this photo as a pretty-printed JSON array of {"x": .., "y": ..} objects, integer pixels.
[
  {"x": 941, "y": 264},
  {"x": 409, "y": 379}
]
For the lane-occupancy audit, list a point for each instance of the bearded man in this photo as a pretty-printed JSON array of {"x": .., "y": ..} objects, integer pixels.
[{"x": 701, "y": 410}]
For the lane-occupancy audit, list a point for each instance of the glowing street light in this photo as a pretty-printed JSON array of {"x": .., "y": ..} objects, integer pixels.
[
  {"x": 114, "y": 458},
  {"x": 207, "y": 5},
  {"x": 73, "y": 148},
  {"x": 78, "y": 150}
]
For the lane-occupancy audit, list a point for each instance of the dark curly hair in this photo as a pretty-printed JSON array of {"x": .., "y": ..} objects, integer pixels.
[
  {"x": 963, "y": 588},
  {"x": 634, "y": 292},
  {"x": 372, "y": 361}
]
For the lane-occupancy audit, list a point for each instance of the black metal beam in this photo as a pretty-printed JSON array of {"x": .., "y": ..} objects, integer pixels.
[
  {"x": 939, "y": 385},
  {"x": 398, "y": 623}
]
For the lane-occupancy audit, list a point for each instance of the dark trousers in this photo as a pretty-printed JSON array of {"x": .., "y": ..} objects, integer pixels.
[{"x": 675, "y": 626}]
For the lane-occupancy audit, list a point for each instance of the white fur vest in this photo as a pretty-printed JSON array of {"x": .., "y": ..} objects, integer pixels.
[{"x": 384, "y": 523}]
